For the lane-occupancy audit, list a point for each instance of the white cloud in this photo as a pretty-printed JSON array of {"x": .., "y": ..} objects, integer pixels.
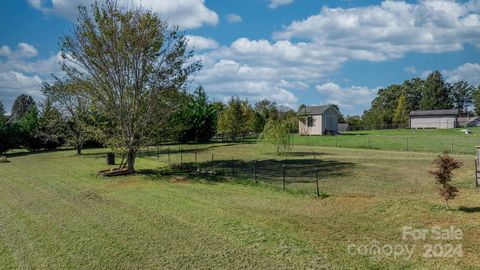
[
  {"x": 24, "y": 50},
  {"x": 14, "y": 83},
  {"x": 201, "y": 43},
  {"x": 469, "y": 72},
  {"x": 41, "y": 67},
  {"x": 20, "y": 74},
  {"x": 348, "y": 99},
  {"x": 276, "y": 3},
  {"x": 185, "y": 13},
  {"x": 258, "y": 69},
  {"x": 411, "y": 69},
  {"x": 234, "y": 18},
  {"x": 392, "y": 29}
]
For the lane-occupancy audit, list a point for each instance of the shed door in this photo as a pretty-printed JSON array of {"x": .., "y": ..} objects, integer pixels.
[{"x": 330, "y": 122}]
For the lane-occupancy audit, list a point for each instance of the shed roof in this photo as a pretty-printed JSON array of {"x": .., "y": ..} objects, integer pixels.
[
  {"x": 314, "y": 110},
  {"x": 453, "y": 112}
]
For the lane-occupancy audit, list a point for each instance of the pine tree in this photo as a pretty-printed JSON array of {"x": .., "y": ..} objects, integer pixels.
[
  {"x": 51, "y": 127},
  {"x": 3, "y": 118},
  {"x": 21, "y": 106},
  {"x": 400, "y": 117},
  {"x": 476, "y": 100},
  {"x": 233, "y": 120}
]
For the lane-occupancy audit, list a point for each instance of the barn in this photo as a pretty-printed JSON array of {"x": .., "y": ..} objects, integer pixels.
[
  {"x": 318, "y": 120},
  {"x": 434, "y": 119}
]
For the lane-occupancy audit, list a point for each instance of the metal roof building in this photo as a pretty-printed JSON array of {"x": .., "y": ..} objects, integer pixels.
[{"x": 434, "y": 119}]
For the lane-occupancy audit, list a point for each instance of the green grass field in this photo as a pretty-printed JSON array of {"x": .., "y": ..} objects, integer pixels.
[
  {"x": 55, "y": 213},
  {"x": 422, "y": 140}
]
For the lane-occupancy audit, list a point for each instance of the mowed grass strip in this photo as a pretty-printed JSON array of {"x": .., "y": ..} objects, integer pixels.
[
  {"x": 422, "y": 140},
  {"x": 56, "y": 213}
]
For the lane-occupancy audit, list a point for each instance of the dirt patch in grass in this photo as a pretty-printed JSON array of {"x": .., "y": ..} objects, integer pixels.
[
  {"x": 179, "y": 180},
  {"x": 89, "y": 196}
]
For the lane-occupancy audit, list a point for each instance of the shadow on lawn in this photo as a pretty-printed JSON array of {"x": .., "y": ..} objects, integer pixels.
[
  {"x": 184, "y": 148},
  {"x": 27, "y": 153},
  {"x": 296, "y": 170},
  {"x": 469, "y": 209}
]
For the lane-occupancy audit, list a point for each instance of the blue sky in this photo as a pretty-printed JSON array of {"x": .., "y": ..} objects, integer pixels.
[{"x": 290, "y": 51}]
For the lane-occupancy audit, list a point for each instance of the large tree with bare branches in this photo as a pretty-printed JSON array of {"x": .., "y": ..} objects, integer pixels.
[{"x": 131, "y": 65}]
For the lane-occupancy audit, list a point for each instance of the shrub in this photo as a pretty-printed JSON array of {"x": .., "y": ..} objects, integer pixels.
[
  {"x": 443, "y": 174},
  {"x": 3, "y": 159},
  {"x": 277, "y": 135}
]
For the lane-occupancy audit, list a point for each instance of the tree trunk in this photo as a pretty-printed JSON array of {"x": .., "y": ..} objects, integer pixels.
[
  {"x": 131, "y": 160},
  {"x": 79, "y": 149}
]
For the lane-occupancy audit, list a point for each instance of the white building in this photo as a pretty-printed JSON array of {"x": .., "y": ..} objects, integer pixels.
[
  {"x": 318, "y": 120},
  {"x": 434, "y": 119}
]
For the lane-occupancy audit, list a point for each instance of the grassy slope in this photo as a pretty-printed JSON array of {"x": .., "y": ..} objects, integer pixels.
[
  {"x": 55, "y": 213},
  {"x": 422, "y": 140}
]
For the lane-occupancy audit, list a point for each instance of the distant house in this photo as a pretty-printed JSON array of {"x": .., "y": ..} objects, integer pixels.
[
  {"x": 344, "y": 127},
  {"x": 473, "y": 121},
  {"x": 318, "y": 120},
  {"x": 434, "y": 119}
]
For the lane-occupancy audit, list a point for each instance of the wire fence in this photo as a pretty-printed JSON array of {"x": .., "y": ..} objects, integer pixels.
[
  {"x": 454, "y": 145},
  {"x": 287, "y": 174}
]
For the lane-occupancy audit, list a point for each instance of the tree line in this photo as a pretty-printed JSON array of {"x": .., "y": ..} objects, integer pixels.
[
  {"x": 393, "y": 104},
  {"x": 64, "y": 119}
]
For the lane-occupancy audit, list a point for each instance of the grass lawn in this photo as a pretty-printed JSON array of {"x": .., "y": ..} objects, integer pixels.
[
  {"x": 422, "y": 140},
  {"x": 55, "y": 213}
]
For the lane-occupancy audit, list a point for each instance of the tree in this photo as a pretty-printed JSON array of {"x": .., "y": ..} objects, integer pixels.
[
  {"x": 21, "y": 106},
  {"x": 443, "y": 174},
  {"x": 263, "y": 111},
  {"x": 435, "y": 94},
  {"x": 412, "y": 90},
  {"x": 7, "y": 137},
  {"x": 380, "y": 115},
  {"x": 400, "y": 117},
  {"x": 3, "y": 118},
  {"x": 461, "y": 94},
  {"x": 355, "y": 122},
  {"x": 28, "y": 128},
  {"x": 68, "y": 98},
  {"x": 196, "y": 119},
  {"x": 277, "y": 134},
  {"x": 476, "y": 100},
  {"x": 233, "y": 120},
  {"x": 51, "y": 126},
  {"x": 130, "y": 65}
]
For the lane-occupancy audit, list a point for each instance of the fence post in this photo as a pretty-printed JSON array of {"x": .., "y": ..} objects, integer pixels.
[
  {"x": 407, "y": 144},
  {"x": 158, "y": 152},
  {"x": 476, "y": 175},
  {"x": 368, "y": 141},
  {"x": 168, "y": 154},
  {"x": 181, "y": 155},
  {"x": 316, "y": 177},
  {"x": 255, "y": 171},
  {"x": 196, "y": 164},
  {"x": 283, "y": 174},
  {"x": 212, "y": 163},
  {"x": 452, "y": 146},
  {"x": 233, "y": 169}
]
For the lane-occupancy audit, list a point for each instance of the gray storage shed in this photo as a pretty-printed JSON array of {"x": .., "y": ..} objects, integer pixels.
[{"x": 434, "y": 119}]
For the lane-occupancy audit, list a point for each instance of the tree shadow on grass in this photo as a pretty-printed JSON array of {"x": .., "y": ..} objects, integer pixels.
[
  {"x": 469, "y": 209},
  {"x": 27, "y": 152},
  {"x": 296, "y": 170},
  {"x": 307, "y": 154}
]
